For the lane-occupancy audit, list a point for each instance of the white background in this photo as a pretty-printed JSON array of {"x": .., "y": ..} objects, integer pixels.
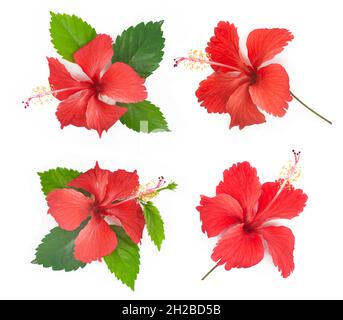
[{"x": 194, "y": 154}]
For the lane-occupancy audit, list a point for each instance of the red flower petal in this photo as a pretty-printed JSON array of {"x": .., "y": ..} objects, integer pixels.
[
  {"x": 265, "y": 44},
  {"x": 242, "y": 110},
  {"x": 241, "y": 182},
  {"x": 271, "y": 91},
  {"x": 215, "y": 91},
  {"x": 238, "y": 249},
  {"x": 69, "y": 207},
  {"x": 93, "y": 181},
  {"x": 95, "y": 241},
  {"x": 280, "y": 241},
  {"x": 289, "y": 204},
  {"x": 123, "y": 84},
  {"x": 224, "y": 47},
  {"x": 131, "y": 218},
  {"x": 60, "y": 78},
  {"x": 73, "y": 109},
  {"x": 121, "y": 185},
  {"x": 219, "y": 213},
  {"x": 101, "y": 116},
  {"x": 95, "y": 55}
]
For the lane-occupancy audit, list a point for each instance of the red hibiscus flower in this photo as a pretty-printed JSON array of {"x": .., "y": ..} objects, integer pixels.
[
  {"x": 112, "y": 199},
  {"x": 241, "y": 211},
  {"x": 240, "y": 86},
  {"x": 237, "y": 86},
  {"x": 90, "y": 102}
]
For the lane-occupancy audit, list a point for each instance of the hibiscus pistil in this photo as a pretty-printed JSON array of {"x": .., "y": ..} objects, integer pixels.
[
  {"x": 197, "y": 60},
  {"x": 144, "y": 193},
  {"x": 43, "y": 94},
  {"x": 288, "y": 176}
]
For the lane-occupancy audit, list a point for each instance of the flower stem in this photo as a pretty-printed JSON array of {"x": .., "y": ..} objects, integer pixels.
[
  {"x": 208, "y": 273},
  {"x": 308, "y": 108}
]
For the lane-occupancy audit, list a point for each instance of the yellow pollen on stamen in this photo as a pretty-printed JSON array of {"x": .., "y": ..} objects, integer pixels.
[
  {"x": 196, "y": 60},
  {"x": 143, "y": 192},
  {"x": 290, "y": 173},
  {"x": 149, "y": 191},
  {"x": 41, "y": 95}
]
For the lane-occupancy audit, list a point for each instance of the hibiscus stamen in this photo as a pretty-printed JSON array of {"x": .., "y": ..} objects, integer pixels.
[
  {"x": 42, "y": 95},
  {"x": 310, "y": 109},
  {"x": 145, "y": 192},
  {"x": 289, "y": 175},
  {"x": 150, "y": 190},
  {"x": 198, "y": 60},
  {"x": 290, "y": 172}
]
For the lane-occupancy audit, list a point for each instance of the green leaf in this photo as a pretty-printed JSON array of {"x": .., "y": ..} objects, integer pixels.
[
  {"x": 69, "y": 33},
  {"x": 154, "y": 224},
  {"x": 56, "y": 178},
  {"x": 141, "y": 47},
  {"x": 57, "y": 250},
  {"x": 124, "y": 261},
  {"x": 144, "y": 117}
]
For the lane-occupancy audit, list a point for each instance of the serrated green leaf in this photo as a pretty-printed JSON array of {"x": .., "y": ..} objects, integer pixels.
[
  {"x": 57, "y": 250},
  {"x": 69, "y": 34},
  {"x": 124, "y": 261},
  {"x": 56, "y": 178},
  {"x": 144, "y": 117},
  {"x": 154, "y": 224},
  {"x": 141, "y": 47}
]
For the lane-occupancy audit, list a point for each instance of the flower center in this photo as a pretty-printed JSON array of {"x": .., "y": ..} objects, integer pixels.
[
  {"x": 97, "y": 87},
  {"x": 248, "y": 228},
  {"x": 253, "y": 77},
  {"x": 95, "y": 209}
]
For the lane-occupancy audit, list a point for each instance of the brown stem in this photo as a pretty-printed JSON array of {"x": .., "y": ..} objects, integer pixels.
[
  {"x": 208, "y": 273},
  {"x": 308, "y": 108}
]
